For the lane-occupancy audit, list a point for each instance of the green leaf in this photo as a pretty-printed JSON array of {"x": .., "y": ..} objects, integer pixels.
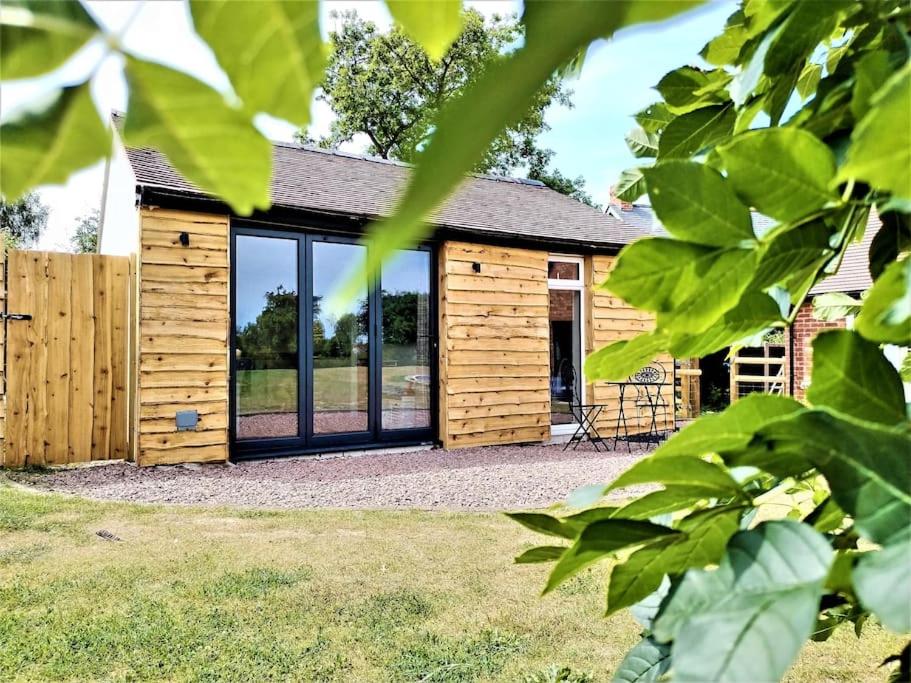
[
  {"x": 808, "y": 80},
  {"x": 866, "y": 465},
  {"x": 37, "y": 37},
  {"x": 689, "y": 88},
  {"x": 654, "y": 118},
  {"x": 661, "y": 502},
  {"x": 886, "y": 313},
  {"x": 806, "y": 26},
  {"x": 851, "y": 375},
  {"x": 754, "y": 313},
  {"x": 705, "y": 534},
  {"x": 695, "y": 204},
  {"x": 271, "y": 50},
  {"x": 645, "y": 663},
  {"x": 870, "y": 74},
  {"x": 796, "y": 250},
  {"x": 784, "y": 172},
  {"x": 631, "y": 185},
  {"x": 554, "y": 34},
  {"x": 730, "y": 430},
  {"x": 544, "y": 553},
  {"x": 212, "y": 145},
  {"x": 833, "y": 306},
  {"x": 435, "y": 24},
  {"x": 882, "y": 581},
  {"x": 47, "y": 145},
  {"x": 601, "y": 539},
  {"x": 880, "y": 151},
  {"x": 696, "y": 131},
  {"x": 724, "y": 48},
  {"x": 617, "y": 361},
  {"x": 544, "y": 524},
  {"x": 759, "y": 600},
  {"x": 893, "y": 238},
  {"x": 642, "y": 143},
  {"x": 681, "y": 470},
  {"x": 826, "y": 516},
  {"x": 709, "y": 291},
  {"x": 649, "y": 272}
]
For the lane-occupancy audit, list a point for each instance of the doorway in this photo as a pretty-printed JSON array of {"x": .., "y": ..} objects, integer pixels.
[
  {"x": 565, "y": 278},
  {"x": 310, "y": 374}
]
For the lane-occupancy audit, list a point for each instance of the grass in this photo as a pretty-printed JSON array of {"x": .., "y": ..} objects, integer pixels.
[
  {"x": 335, "y": 388},
  {"x": 223, "y": 594}
]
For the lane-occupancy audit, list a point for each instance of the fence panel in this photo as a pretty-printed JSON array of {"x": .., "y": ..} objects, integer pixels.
[{"x": 67, "y": 374}]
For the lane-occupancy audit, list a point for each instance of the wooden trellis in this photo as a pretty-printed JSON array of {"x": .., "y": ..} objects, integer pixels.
[{"x": 760, "y": 369}]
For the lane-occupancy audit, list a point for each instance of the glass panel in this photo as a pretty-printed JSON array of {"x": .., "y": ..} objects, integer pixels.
[
  {"x": 340, "y": 346},
  {"x": 406, "y": 341},
  {"x": 565, "y": 354},
  {"x": 562, "y": 270},
  {"x": 266, "y": 327}
]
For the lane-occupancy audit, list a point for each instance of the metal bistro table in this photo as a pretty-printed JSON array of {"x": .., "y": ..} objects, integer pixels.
[{"x": 647, "y": 384}]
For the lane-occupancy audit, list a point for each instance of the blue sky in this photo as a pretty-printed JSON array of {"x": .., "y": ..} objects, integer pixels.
[{"x": 617, "y": 81}]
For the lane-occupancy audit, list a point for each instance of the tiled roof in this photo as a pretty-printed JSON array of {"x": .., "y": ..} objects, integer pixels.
[{"x": 333, "y": 182}]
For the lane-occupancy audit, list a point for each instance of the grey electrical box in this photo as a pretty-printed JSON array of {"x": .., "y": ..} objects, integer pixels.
[{"x": 187, "y": 420}]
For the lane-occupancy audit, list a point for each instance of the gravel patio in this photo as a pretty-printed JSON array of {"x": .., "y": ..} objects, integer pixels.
[{"x": 483, "y": 478}]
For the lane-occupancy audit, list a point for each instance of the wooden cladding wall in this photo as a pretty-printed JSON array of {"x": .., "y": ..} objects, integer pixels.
[
  {"x": 183, "y": 326},
  {"x": 67, "y": 367},
  {"x": 494, "y": 359},
  {"x": 612, "y": 319},
  {"x": 2, "y": 352}
]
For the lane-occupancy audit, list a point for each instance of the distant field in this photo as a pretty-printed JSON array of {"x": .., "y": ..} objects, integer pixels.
[{"x": 266, "y": 391}]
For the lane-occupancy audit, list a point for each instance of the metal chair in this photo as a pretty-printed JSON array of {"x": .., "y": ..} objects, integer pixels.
[
  {"x": 585, "y": 414},
  {"x": 649, "y": 381}
]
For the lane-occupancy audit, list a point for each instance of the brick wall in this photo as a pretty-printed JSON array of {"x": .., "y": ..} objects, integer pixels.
[{"x": 803, "y": 330}]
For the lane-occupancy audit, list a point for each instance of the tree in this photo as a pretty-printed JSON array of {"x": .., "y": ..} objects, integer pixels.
[
  {"x": 274, "y": 333},
  {"x": 386, "y": 87},
  {"x": 22, "y": 221},
  {"x": 85, "y": 238}
]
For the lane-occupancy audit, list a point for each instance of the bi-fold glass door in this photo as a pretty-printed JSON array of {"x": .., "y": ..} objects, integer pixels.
[{"x": 309, "y": 374}]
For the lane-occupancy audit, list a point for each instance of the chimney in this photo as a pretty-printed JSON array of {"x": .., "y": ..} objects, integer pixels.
[{"x": 616, "y": 201}]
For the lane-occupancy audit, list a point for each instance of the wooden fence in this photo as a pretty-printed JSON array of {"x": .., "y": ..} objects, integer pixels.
[
  {"x": 67, "y": 397},
  {"x": 760, "y": 369}
]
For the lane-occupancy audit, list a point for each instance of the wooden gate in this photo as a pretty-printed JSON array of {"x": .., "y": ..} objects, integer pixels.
[
  {"x": 760, "y": 369},
  {"x": 67, "y": 366}
]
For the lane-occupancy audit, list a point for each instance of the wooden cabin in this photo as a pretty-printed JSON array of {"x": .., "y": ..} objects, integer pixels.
[{"x": 464, "y": 340}]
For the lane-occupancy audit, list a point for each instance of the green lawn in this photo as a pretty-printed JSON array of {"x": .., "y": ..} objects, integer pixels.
[
  {"x": 193, "y": 594},
  {"x": 264, "y": 391}
]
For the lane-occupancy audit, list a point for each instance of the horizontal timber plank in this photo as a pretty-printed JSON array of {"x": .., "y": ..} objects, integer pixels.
[
  {"x": 483, "y": 311},
  {"x": 176, "y": 273},
  {"x": 187, "y": 256},
  {"x": 169, "y": 410},
  {"x": 191, "y": 362},
  {"x": 156, "y": 441},
  {"x": 529, "y": 370},
  {"x": 495, "y": 298},
  {"x": 498, "y": 270},
  {"x": 500, "y": 321},
  {"x": 510, "y": 358},
  {"x": 177, "y": 344},
  {"x": 476, "y": 425},
  {"x": 496, "y": 398},
  {"x": 482, "y": 283},
  {"x": 217, "y": 331},
  {"x": 172, "y": 456},
  {"x": 465, "y": 385},
  {"x": 165, "y": 424},
  {"x": 182, "y": 378},
  {"x": 498, "y": 344},
  {"x": 186, "y": 395},
  {"x": 490, "y": 331},
  {"x": 184, "y": 313},
  {"x": 218, "y": 302},
  {"x": 171, "y": 238},
  {"x": 505, "y": 436},
  {"x": 183, "y": 288},
  {"x": 474, "y": 253},
  {"x": 495, "y": 410}
]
